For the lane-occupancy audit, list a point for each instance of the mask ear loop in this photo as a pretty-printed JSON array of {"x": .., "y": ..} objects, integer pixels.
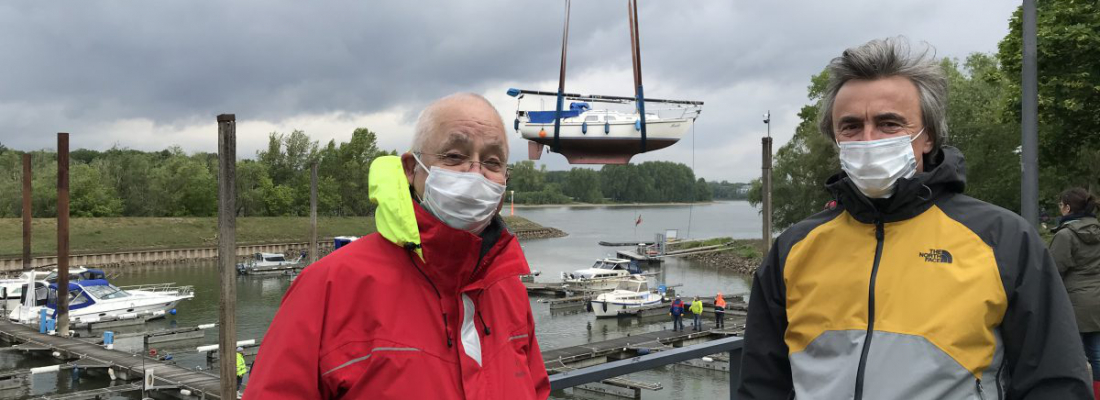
[{"x": 926, "y": 189}]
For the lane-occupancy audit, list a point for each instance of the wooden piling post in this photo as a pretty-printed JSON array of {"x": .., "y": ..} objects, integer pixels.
[
  {"x": 766, "y": 181},
  {"x": 313, "y": 256},
  {"x": 27, "y": 212},
  {"x": 63, "y": 233},
  {"x": 227, "y": 253}
]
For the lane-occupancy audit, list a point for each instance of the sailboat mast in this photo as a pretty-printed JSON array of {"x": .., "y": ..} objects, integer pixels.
[
  {"x": 636, "y": 55},
  {"x": 561, "y": 81}
]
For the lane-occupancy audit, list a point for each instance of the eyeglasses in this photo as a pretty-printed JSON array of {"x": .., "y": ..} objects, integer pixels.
[{"x": 495, "y": 168}]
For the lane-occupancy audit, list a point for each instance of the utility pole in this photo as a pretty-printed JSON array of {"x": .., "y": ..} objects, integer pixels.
[
  {"x": 227, "y": 253},
  {"x": 766, "y": 182},
  {"x": 27, "y": 212},
  {"x": 1029, "y": 187},
  {"x": 313, "y": 214},
  {"x": 62, "y": 234}
]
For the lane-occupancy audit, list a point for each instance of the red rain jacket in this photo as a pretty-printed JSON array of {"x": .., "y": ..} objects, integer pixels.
[{"x": 365, "y": 323}]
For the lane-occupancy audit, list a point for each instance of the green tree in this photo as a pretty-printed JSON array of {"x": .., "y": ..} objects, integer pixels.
[
  {"x": 1069, "y": 91},
  {"x": 91, "y": 194},
  {"x": 583, "y": 184}
]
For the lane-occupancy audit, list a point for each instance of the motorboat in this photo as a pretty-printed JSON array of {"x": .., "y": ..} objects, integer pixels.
[
  {"x": 632, "y": 293},
  {"x": 605, "y": 274},
  {"x": 270, "y": 263},
  {"x": 588, "y": 136},
  {"x": 12, "y": 289},
  {"x": 96, "y": 300}
]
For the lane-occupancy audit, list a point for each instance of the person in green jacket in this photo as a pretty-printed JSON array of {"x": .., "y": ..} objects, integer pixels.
[
  {"x": 697, "y": 310},
  {"x": 242, "y": 368},
  {"x": 1076, "y": 251}
]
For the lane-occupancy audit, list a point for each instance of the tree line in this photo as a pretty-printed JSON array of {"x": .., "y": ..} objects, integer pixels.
[
  {"x": 648, "y": 182},
  {"x": 171, "y": 183},
  {"x": 984, "y": 120}
]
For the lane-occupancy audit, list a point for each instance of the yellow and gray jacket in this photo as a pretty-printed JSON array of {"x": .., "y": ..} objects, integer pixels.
[{"x": 930, "y": 294}]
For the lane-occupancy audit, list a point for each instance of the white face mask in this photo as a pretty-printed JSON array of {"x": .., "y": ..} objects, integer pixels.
[
  {"x": 876, "y": 165},
  {"x": 462, "y": 200}
]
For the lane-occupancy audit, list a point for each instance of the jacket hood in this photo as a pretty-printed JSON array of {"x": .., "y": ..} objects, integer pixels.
[
  {"x": 453, "y": 259},
  {"x": 943, "y": 174},
  {"x": 1087, "y": 229}
]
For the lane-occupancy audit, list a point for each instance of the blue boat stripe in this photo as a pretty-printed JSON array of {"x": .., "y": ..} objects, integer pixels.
[{"x": 355, "y": 360}]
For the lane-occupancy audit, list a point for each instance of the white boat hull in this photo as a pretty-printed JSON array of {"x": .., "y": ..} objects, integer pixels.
[{"x": 607, "y": 309}]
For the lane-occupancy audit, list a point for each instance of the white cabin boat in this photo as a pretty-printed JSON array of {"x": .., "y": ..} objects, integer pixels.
[
  {"x": 12, "y": 289},
  {"x": 633, "y": 293},
  {"x": 96, "y": 300},
  {"x": 269, "y": 263},
  {"x": 605, "y": 274}
]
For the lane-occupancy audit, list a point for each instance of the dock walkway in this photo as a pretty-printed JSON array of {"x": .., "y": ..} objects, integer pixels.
[{"x": 167, "y": 375}]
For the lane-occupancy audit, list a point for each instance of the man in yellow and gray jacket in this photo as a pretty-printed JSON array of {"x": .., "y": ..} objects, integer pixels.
[{"x": 907, "y": 289}]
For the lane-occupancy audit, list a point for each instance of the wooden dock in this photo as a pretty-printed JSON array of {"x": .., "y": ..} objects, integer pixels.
[{"x": 170, "y": 377}]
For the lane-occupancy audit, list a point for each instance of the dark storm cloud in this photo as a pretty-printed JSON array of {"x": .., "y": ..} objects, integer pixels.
[{"x": 72, "y": 64}]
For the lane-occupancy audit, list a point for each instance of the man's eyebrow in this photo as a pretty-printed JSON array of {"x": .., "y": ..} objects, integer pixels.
[
  {"x": 849, "y": 119},
  {"x": 453, "y": 140},
  {"x": 890, "y": 116}
]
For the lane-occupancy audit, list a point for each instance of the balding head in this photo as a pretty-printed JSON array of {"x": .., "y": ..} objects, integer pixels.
[{"x": 462, "y": 123}]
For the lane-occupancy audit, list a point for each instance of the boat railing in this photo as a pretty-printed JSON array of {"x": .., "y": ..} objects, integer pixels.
[
  {"x": 597, "y": 373},
  {"x": 161, "y": 288}
]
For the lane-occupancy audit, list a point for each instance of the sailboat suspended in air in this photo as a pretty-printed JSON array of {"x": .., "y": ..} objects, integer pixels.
[{"x": 586, "y": 135}]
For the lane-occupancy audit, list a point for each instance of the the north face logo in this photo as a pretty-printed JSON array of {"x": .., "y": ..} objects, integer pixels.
[{"x": 937, "y": 256}]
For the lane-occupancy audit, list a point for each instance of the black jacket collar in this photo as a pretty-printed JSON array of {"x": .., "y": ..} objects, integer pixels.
[{"x": 944, "y": 175}]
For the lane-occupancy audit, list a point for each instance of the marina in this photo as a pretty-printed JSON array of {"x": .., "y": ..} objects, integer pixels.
[{"x": 562, "y": 322}]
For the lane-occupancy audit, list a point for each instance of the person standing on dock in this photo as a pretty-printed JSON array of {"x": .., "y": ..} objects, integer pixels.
[
  {"x": 677, "y": 313},
  {"x": 697, "y": 312},
  {"x": 1076, "y": 250},
  {"x": 719, "y": 311},
  {"x": 907, "y": 289},
  {"x": 242, "y": 368},
  {"x": 462, "y": 326}
]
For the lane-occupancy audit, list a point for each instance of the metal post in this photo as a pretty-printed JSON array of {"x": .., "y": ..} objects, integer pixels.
[
  {"x": 227, "y": 253},
  {"x": 1029, "y": 196},
  {"x": 27, "y": 212},
  {"x": 735, "y": 371},
  {"x": 63, "y": 233},
  {"x": 313, "y": 214},
  {"x": 766, "y": 190}
]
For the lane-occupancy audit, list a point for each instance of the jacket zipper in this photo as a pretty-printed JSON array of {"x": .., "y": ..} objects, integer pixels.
[
  {"x": 981, "y": 393},
  {"x": 1000, "y": 390},
  {"x": 880, "y": 234}
]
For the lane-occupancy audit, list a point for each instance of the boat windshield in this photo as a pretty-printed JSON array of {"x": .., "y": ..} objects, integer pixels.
[
  {"x": 275, "y": 258},
  {"x": 630, "y": 286},
  {"x": 106, "y": 292}
]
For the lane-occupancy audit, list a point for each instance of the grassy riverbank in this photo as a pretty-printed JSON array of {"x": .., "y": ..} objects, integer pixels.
[
  {"x": 107, "y": 235},
  {"x": 742, "y": 255}
]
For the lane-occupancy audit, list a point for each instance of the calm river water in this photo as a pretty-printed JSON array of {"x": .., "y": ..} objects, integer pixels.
[{"x": 258, "y": 298}]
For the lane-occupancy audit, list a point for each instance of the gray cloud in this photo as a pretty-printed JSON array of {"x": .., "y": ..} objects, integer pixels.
[{"x": 81, "y": 66}]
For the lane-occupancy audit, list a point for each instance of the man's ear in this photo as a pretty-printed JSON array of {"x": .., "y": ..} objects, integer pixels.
[{"x": 409, "y": 164}]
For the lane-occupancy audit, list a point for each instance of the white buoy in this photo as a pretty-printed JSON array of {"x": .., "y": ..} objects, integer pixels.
[
  {"x": 708, "y": 359},
  {"x": 248, "y": 342},
  {"x": 185, "y": 392},
  {"x": 207, "y": 326},
  {"x": 57, "y": 354},
  {"x": 42, "y": 370},
  {"x": 111, "y": 373}
]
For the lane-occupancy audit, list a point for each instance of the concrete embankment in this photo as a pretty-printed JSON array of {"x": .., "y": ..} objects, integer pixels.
[{"x": 164, "y": 256}]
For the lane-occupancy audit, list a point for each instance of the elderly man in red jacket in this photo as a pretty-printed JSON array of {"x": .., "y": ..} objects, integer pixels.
[{"x": 430, "y": 306}]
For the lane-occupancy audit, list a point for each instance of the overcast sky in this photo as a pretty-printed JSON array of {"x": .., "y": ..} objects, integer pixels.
[{"x": 151, "y": 74}]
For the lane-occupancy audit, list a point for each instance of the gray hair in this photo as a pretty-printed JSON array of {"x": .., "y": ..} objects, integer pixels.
[
  {"x": 428, "y": 119},
  {"x": 883, "y": 58}
]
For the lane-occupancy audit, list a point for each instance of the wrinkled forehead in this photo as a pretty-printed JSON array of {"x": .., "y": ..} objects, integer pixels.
[{"x": 478, "y": 133}]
